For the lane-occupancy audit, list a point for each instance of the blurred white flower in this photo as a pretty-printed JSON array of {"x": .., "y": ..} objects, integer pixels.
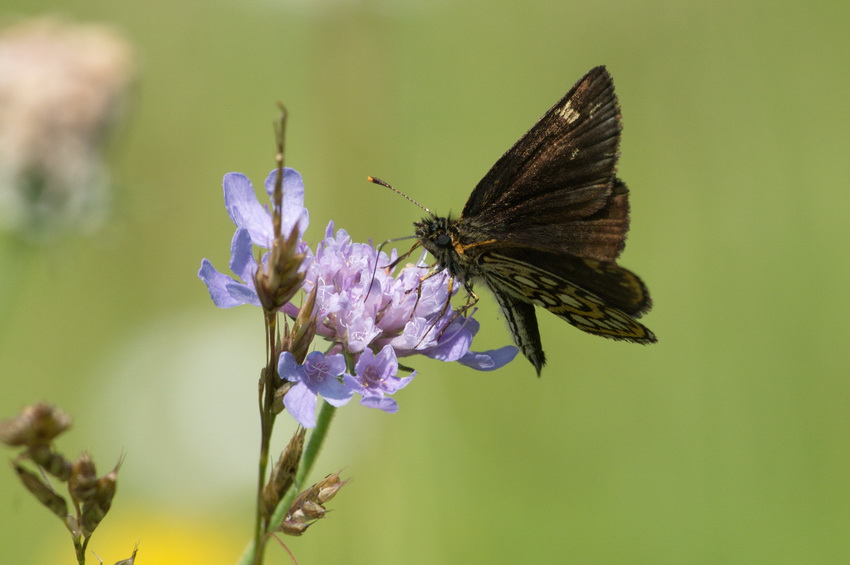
[{"x": 61, "y": 86}]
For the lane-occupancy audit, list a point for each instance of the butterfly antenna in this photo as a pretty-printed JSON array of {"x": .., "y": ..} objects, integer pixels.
[{"x": 397, "y": 191}]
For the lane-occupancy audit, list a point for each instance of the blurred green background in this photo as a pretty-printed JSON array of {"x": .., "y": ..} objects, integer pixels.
[{"x": 727, "y": 442}]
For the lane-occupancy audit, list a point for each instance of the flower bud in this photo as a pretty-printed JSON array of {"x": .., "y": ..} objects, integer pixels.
[
  {"x": 277, "y": 282},
  {"x": 83, "y": 481},
  {"x": 283, "y": 473},
  {"x": 309, "y": 505},
  {"x": 98, "y": 505},
  {"x": 38, "y": 424},
  {"x": 42, "y": 491}
]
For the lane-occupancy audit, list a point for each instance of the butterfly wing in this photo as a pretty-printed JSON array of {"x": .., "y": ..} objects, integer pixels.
[
  {"x": 561, "y": 284},
  {"x": 556, "y": 187},
  {"x": 545, "y": 270},
  {"x": 522, "y": 321}
]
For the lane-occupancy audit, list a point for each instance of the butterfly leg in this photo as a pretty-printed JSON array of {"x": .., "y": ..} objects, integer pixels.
[
  {"x": 422, "y": 279},
  {"x": 445, "y": 306},
  {"x": 471, "y": 300}
]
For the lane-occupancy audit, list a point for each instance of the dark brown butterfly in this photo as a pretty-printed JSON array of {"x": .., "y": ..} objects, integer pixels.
[{"x": 545, "y": 225}]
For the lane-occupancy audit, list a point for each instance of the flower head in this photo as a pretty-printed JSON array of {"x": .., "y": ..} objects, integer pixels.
[
  {"x": 365, "y": 310},
  {"x": 362, "y": 305}
]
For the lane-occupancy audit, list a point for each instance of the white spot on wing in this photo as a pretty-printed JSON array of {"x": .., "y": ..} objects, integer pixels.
[{"x": 568, "y": 114}]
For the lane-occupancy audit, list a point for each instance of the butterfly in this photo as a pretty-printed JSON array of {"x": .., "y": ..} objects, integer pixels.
[{"x": 546, "y": 224}]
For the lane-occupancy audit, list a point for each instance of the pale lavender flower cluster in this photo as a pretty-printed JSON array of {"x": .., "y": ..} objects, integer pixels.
[
  {"x": 253, "y": 227},
  {"x": 369, "y": 315}
]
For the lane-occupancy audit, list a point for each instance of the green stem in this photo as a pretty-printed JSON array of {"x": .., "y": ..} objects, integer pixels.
[
  {"x": 314, "y": 445},
  {"x": 256, "y": 550},
  {"x": 253, "y": 554},
  {"x": 260, "y": 524},
  {"x": 79, "y": 551}
]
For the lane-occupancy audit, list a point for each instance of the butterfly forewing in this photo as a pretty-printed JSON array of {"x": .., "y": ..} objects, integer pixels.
[{"x": 559, "y": 173}]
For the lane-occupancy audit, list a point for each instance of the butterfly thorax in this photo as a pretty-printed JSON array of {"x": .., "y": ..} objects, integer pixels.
[{"x": 450, "y": 244}]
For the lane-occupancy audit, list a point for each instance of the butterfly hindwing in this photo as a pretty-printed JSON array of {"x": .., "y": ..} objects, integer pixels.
[
  {"x": 601, "y": 311},
  {"x": 616, "y": 286}
]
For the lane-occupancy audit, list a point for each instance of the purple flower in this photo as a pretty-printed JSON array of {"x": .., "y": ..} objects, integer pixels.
[
  {"x": 361, "y": 306},
  {"x": 254, "y": 227},
  {"x": 247, "y": 212},
  {"x": 320, "y": 374},
  {"x": 376, "y": 377}
]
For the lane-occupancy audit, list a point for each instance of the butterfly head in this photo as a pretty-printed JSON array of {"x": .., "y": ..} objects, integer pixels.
[{"x": 439, "y": 236}]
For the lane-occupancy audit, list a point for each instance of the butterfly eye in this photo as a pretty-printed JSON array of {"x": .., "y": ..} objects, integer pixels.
[{"x": 443, "y": 240}]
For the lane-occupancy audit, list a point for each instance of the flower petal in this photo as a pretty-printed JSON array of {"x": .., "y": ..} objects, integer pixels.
[
  {"x": 243, "y": 293},
  {"x": 354, "y": 385},
  {"x": 293, "y": 200},
  {"x": 321, "y": 375},
  {"x": 384, "y": 403},
  {"x": 241, "y": 255},
  {"x": 301, "y": 403},
  {"x": 454, "y": 344},
  {"x": 336, "y": 394},
  {"x": 217, "y": 285},
  {"x": 245, "y": 210},
  {"x": 288, "y": 368},
  {"x": 224, "y": 290},
  {"x": 489, "y": 360}
]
